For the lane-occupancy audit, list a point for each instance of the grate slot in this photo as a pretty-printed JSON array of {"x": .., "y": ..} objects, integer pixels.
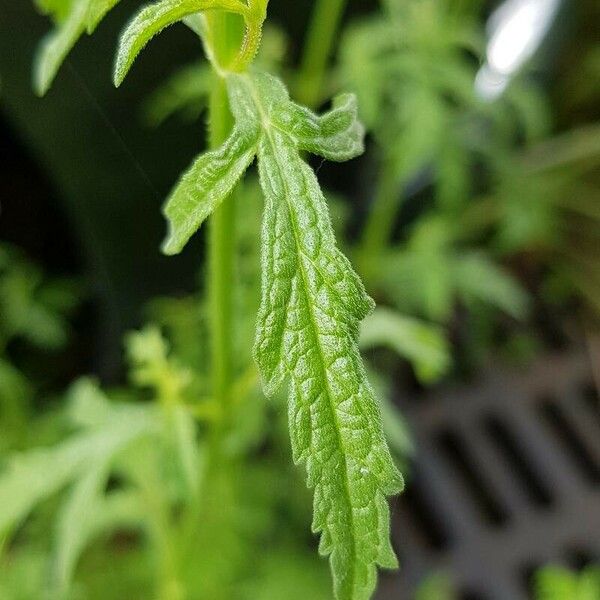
[
  {"x": 579, "y": 558},
  {"x": 508, "y": 444},
  {"x": 424, "y": 519},
  {"x": 453, "y": 449},
  {"x": 591, "y": 402},
  {"x": 563, "y": 431},
  {"x": 469, "y": 594},
  {"x": 527, "y": 577}
]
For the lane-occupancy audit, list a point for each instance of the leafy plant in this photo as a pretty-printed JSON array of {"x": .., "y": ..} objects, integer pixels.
[
  {"x": 312, "y": 300},
  {"x": 34, "y": 310},
  {"x": 185, "y": 470}
]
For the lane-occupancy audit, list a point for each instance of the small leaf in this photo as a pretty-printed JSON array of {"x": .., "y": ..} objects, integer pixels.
[
  {"x": 75, "y": 521},
  {"x": 73, "y": 18},
  {"x": 211, "y": 179},
  {"x": 478, "y": 277},
  {"x": 153, "y": 19},
  {"x": 423, "y": 344},
  {"x": 57, "y": 9},
  {"x": 185, "y": 93},
  {"x": 182, "y": 434},
  {"x": 55, "y": 47}
]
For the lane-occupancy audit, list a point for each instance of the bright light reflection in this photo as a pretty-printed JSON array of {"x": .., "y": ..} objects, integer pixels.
[{"x": 516, "y": 30}]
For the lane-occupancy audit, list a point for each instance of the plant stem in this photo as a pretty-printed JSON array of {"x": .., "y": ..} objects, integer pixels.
[
  {"x": 221, "y": 280},
  {"x": 318, "y": 46},
  {"x": 380, "y": 221},
  {"x": 226, "y": 32}
]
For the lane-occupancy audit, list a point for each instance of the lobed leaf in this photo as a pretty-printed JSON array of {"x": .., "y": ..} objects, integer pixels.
[
  {"x": 337, "y": 135},
  {"x": 154, "y": 18},
  {"x": 312, "y": 303}
]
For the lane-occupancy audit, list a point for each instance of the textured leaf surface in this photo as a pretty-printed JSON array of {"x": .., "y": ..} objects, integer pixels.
[
  {"x": 153, "y": 19},
  {"x": 312, "y": 303},
  {"x": 211, "y": 178},
  {"x": 337, "y": 135}
]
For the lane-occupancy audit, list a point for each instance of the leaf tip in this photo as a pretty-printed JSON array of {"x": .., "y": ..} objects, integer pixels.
[
  {"x": 170, "y": 247},
  {"x": 119, "y": 72}
]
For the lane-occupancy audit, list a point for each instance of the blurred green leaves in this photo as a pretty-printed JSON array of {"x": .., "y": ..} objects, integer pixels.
[
  {"x": 557, "y": 583},
  {"x": 431, "y": 272},
  {"x": 72, "y": 18},
  {"x": 33, "y": 307},
  {"x": 423, "y": 344}
]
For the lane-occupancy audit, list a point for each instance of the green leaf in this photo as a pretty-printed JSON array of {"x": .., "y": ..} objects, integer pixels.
[
  {"x": 436, "y": 587},
  {"x": 288, "y": 573},
  {"x": 337, "y": 135},
  {"x": 15, "y": 393},
  {"x": 55, "y": 47},
  {"x": 75, "y": 520},
  {"x": 73, "y": 19},
  {"x": 395, "y": 427},
  {"x": 209, "y": 181},
  {"x": 57, "y": 9},
  {"x": 153, "y": 19},
  {"x": 477, "y": 277},
  {"x": 185, "y": 93},
  {"x": 37, "y": 474},
  {"x": 423, "y": 344},
  {"x": 558, "y": 583},
  {"x": 97, "y": 10},
  {"x": 312, "y": 303}
]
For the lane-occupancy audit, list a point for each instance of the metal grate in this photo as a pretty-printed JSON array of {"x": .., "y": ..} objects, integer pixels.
[{"x": 506, "y": 479}]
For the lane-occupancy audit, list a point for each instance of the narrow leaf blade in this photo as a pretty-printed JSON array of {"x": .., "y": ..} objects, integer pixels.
[
  {"x": 97, "y": 10},
  {"x": 54, "y": 48},
  {"x": 312, "y": 303},
  {"x": 205, "y": 185},
  {"x": 156, "y": 17}
]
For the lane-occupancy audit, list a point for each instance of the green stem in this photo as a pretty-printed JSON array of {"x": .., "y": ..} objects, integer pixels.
[
  {"x": 318, "y": 46},
  {"x": 221, "y": 272},
  {"x": 225, "y": 31},
  {"x": 380, "y": 222}
]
